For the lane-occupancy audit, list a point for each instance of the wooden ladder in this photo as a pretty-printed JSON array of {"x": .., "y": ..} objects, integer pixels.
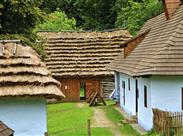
[{"x": 95, "y": 98}]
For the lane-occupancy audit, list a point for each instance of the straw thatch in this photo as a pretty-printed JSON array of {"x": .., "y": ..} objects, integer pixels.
[
  {"x": 82, "y": 53},
  {"x": 160, "y": 53},
  {"x": 23, "y": 74},
  {"x": 5, "y": 130}
]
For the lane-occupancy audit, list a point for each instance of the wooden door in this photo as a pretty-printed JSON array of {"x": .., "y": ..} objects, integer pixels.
[
  {"x": 92, "y": 85},
  {"x": 70, "y": 88}
]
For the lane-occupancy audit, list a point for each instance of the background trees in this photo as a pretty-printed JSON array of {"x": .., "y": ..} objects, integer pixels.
[
  {"x": 57, "y": 21},
  {"x": 135, "y": 14},
  {"x": 20, "y": 19},
  {"x": 102, "y": 14},
  {"x": 19, "y": 16},
  {"x": 89, "y": 14}
]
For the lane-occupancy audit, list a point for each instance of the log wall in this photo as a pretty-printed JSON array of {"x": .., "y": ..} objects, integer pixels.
[{"x": 107, "y": 86}]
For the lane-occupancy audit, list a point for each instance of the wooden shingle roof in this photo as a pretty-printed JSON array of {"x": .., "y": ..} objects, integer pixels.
[
  {"x": 82, "y": 53},
  {"x": 160, "y": 53},
  {"x": 5, "y": 130},
  {"x": 23, "y": 74}
]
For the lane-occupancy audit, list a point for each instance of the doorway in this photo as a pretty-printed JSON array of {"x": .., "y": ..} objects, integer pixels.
[
  {"x": 136, "y": 95},
  {"x": 82, "y": 90}
]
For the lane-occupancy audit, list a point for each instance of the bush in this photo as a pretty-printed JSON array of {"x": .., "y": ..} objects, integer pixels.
[{"x": 57, "y": 21}]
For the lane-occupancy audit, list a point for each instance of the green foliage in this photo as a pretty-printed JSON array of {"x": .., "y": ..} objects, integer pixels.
[
  {"x": 57, "y": 21},
  {"x": 97, "y": 14},
  {"x": 111, "y": 113},
  {"x": 17, "y": 20},
  {"x": 66, "y": 119},
  {"x": 19, "y": 16},
  {"x": 89, "y": 14},
  {"x": 1, "y": 7},
  {"x": 116, "y": 117},
  {"x": 135, "y": 14},
  {"x": 152, "y": 133}
]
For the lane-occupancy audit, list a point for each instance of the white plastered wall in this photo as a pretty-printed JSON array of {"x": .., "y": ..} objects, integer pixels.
[{"x": 26, "y": 116}]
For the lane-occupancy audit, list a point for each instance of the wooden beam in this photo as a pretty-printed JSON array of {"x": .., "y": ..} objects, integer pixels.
[{"x": 15, "y": 49}]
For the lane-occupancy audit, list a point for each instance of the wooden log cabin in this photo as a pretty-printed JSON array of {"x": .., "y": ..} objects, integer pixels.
[{"x": 79, "y": 59}]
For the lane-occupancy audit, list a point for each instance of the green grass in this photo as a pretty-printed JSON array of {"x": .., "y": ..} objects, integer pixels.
[
  {"x": 66, "y": 119},
  {"x": 115, "y": 116},
  {"x": 82, "y": 92},
  {"x": 112, "y": 113},
  {"x": 101, "y": 132}
]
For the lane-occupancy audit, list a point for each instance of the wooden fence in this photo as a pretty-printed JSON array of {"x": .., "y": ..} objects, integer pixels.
[{"x": 168, "y": 123}]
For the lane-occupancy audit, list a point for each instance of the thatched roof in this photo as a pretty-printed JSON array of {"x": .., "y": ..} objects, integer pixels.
[
  {"x": 23, "y": 74},
  {"x": 82, "y": 53},
  {"x": 5, "y": 130},
  {"x": 160, "y": 53}
]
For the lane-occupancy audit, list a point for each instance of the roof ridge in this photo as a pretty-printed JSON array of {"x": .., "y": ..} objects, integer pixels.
[
  {"x": 84, "y": 31},
  {"x": 10, "y": 41}
]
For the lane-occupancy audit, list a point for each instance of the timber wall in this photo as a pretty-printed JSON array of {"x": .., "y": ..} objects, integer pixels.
[
  {"x": 107, "y": 86},
  {"x": 71, "y": 87}
]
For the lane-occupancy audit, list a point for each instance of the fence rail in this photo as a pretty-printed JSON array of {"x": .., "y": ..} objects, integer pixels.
[{"x": 168, "y": 123}]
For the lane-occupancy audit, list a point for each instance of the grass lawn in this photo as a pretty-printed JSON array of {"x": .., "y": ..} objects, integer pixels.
[
  {"x": 66, "y": 119},
  {"x": 116, "y": 117}
]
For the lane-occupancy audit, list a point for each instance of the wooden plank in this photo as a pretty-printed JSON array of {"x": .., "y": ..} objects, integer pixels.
[
  {"x": 71, "y": 89},
  {"x": 93, "y": 99},
  {"x": 15, "y": 49},
  {"x": 1, "y": 49}
]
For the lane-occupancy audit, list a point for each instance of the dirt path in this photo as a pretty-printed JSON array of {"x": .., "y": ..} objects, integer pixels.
[
  {"x": 100, "y": 120},
  {"x": 79, "y": 104}
]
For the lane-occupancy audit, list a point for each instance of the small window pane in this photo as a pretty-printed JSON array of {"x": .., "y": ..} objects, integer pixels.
[
  {"x": 145, "y": 96},
  {"x": 129, "y": 84}
]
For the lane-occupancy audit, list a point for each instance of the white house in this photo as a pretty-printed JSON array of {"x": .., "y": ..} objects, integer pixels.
[
  {"x": 25, "y": 83},
  {"x": 149, "y": 71}
]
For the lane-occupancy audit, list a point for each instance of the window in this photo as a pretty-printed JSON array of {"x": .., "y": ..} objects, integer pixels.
[
  {"x": 182, "y": 99},
  {"x": 145, "y": 96},
  {"x": 123, "y": 84},
  {"x": 118, "y": 81},
  {"x": 129, "y": 84}
]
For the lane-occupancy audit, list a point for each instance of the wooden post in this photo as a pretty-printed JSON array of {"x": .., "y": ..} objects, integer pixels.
[{"x": 89, "y": 128}]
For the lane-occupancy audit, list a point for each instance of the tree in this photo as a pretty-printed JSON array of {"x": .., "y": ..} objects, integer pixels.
[
  {"x": 89, "y": 14},
  {"x": 135, "y": 14},
  {"x": 19, "y": 16},
  {"x": 1, "y": 7},
  {"x": 17, "y": 20},
  {"x": 57, "y": 21}
]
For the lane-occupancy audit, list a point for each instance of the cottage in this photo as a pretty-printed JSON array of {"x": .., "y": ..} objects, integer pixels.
[
  {"x": 149, "y": 71},
  {"x": 79, "y": 59},
  {"x": 25, "y": 83}
]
